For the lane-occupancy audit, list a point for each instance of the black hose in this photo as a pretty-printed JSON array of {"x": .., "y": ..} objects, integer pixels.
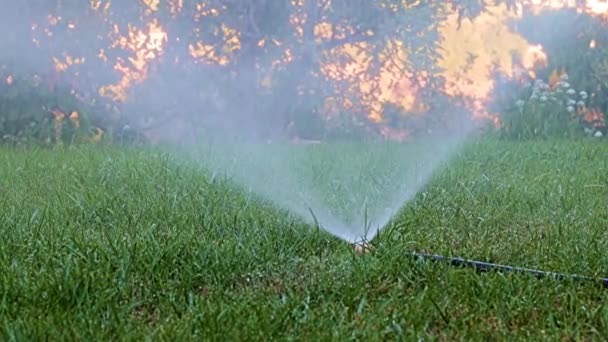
[{"x": 486, "y": 267}]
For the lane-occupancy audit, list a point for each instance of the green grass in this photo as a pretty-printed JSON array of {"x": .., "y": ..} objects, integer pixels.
[{"x": 106, "y": 244}]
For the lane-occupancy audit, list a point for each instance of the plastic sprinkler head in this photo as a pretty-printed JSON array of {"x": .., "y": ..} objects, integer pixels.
[{"x": 361, "y": 248}]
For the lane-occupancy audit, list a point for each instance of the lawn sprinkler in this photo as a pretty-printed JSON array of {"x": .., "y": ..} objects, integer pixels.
[
  {"x": 481, "y": 266},
  {"x": 361, "y": 248}
]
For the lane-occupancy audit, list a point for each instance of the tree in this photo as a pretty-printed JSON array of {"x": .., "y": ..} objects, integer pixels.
[{"x": 250, "y": 66}]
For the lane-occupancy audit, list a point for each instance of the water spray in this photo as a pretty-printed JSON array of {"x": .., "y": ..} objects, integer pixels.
[{"x": 362, "y": 245}]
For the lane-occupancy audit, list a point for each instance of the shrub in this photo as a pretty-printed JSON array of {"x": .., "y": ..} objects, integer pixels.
[
  {"x": 573, "y": 100},
  {"x": 34, "y": 111},
  {"x": 544, "y": 110}
]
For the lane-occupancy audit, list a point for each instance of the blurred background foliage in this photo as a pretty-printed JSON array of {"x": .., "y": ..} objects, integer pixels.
[
  {"x": 155, "y": 71},
  {"x": 570, "y": 95}
]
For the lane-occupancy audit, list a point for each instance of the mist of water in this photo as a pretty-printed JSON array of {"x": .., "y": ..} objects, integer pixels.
[{"x": 351, "y": 189}]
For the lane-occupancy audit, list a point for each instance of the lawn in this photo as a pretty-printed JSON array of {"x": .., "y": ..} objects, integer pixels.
[{"x": 109, "y": 243}]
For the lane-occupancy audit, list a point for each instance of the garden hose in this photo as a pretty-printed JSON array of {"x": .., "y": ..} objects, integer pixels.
[{"x": 481, "y": 266}]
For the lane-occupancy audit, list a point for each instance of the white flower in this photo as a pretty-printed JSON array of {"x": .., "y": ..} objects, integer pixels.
[
  {"x": 520, "y": 103},
  {"x": 583, "y": 95},
  {"x": 598, "y": 134},
  {"x": 570, "y": 109},
  {"x": 564, "y": 84},
  {"x": 534, "y": 96},
  {"x": 571, "y": 102},
  {"x": 37, "y": 80},
  {"x": 543, "y": 98},
  {"x": 571, "y": 91},
  {"x": 580, "y": 104},
  {"x": 564, "y": 77}
]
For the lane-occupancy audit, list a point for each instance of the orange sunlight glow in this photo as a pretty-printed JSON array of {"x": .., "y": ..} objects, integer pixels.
[
  {"x": 208, "y": 54},
  {"x": 203, "y": 10},
  {"x": 175, "y": 6},
  {"x": 145, "y": 45},
  {"x": 472, "y": 51},
  {"x": 101, "y": 5},
  {"x": 592, "y": 7},
  {"x": 152, "y": 5},
  {"x": 599, "y": 7},
  {"x": 62, "y": 65},
  {"x": 594, "y": 116},
  {"x": 469, "y": 55}
]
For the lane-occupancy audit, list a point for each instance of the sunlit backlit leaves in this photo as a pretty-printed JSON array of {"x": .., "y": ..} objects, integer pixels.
[{"x": 339, "y": 56}]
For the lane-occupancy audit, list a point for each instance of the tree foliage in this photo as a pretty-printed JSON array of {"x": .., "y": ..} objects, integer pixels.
[
  {"x": 570, "y": 95},
  {"x": 233, "y": 64}
]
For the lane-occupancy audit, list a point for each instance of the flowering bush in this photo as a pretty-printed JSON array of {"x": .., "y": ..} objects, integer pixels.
[
  {"x": 33, "y": 111},
  {"x": 551, "y": 109},
  {"x": 573, "y": 99}
]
